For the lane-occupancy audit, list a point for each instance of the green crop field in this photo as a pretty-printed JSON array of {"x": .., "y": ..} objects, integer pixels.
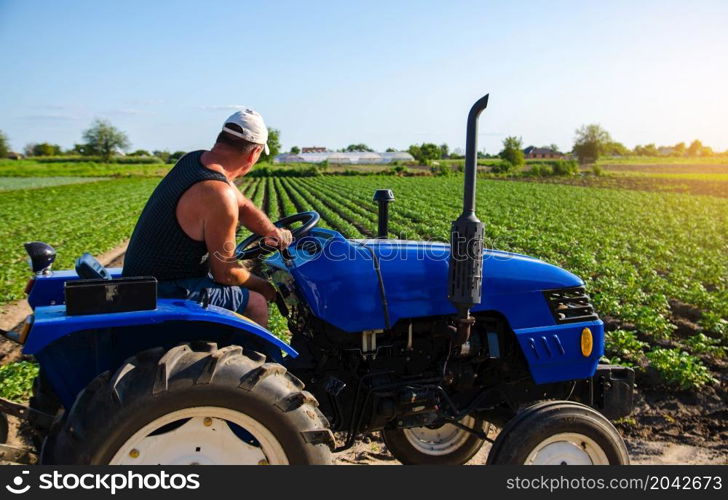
[
  {"x": 75, "y": 218},
  {"x": 30, "y": 168},
  {"x": 655, "y": 263},
  {"x": 12, "y": 183}
]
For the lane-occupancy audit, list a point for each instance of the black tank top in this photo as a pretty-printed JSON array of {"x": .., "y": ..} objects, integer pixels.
[{"x": 159, "y": 246}]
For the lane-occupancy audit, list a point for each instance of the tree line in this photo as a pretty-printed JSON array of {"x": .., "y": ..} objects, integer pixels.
[
  {"x": 103, "y": 140},
  {"x": 592, "y": 141}
]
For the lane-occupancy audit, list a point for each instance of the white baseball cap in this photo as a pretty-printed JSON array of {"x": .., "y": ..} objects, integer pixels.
[{"x": 254, "y": 129}]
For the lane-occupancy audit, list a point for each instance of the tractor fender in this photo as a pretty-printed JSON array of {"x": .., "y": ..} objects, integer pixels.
[
  {"x": 72, "y": 350},
  {"x": 52, "y": 323}
]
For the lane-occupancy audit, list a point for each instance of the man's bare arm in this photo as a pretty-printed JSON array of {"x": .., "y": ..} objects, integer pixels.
[
  {"x": 220, "y": 224},
  {"x": 258, "y": 222}
]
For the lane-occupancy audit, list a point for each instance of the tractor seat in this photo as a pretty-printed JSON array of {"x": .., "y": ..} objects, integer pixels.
[{"x": 88, "y": 268}]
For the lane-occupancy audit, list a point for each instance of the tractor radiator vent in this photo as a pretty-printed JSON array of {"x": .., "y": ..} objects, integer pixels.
[{"x": 570, "y": 305}]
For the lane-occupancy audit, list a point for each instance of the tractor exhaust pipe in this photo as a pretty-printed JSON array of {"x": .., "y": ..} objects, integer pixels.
[
  {"x": 383, "y": 197},
  {"x": 466, "y": 237}
]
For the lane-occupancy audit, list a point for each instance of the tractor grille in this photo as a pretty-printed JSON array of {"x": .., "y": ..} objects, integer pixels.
[{"x": 570, "y": 305}]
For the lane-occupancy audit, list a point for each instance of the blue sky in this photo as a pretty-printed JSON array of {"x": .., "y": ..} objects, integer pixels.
[{"x": 384, "y": 73}]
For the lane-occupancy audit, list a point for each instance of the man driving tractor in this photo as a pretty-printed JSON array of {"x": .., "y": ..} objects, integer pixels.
[{"x": 185, "y": 236}]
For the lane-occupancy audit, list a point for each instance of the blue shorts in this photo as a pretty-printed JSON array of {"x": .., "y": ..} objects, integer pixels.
[{"x": 234, "y": 298}]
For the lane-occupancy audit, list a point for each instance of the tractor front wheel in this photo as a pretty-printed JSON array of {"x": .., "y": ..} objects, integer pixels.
[
  {"x": 194, "y": 404},
  {"x": 435, "y": 445},
  {"x": 559, "y": 433}
]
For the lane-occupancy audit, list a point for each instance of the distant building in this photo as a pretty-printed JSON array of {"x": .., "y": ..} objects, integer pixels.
[
  {"x": 534, "y": 152},
  {"x": 314, "y": 149},
  {"x": 665, "y": 151},
  {"x": 344, "y": 158}
]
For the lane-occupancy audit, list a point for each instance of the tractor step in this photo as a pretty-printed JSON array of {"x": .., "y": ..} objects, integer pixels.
[{"x": 22, "y": 412}]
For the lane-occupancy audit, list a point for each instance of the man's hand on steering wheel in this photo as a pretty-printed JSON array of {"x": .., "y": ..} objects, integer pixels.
[{"x": 279, "y": 238}]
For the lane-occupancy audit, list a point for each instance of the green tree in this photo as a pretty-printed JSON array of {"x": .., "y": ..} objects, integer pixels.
[
  {"x": 513, "y": 151},
  {"x": 4, "y": 145},
  {"x": 140, "y": 152},
  {"x": 103, "y": 139},
  {"x": 353, "y": 148},
  {"x": 646, "y": 150},
  {"x": 81, "y": 149},
  {"x": 162, "y": 155},
  {"x": 391, "y": 150},
  {"x": 554, "y": 148},
  {"x": 590, "y": 142},
  {"x": 295, "y": 150},
  {"x": 274, "y": 144},
  {"x": 176, "y": 156},
  {"x": 614, "y": 148},
  {"x": 45, "y": 149},
  {"x": 679, "y": 149},
  {"x": 444, "y": 151},
  {"x": 695, "y": 148},
  {"x": 425, "y": 153}
]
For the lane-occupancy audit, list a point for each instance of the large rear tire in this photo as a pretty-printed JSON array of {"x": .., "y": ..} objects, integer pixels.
[
  {"x": 194, "y": 404},
  {"x": 559, "y": 433},
  {"x": 443, "y": 445}
]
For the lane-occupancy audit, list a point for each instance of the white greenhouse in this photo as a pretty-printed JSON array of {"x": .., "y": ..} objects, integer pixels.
[{"x": 345, "y": 158}]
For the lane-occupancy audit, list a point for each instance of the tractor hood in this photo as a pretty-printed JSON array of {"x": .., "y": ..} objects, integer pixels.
[
  {"x": 417, "y": 262},
  {"x": 340, "y": 282}
]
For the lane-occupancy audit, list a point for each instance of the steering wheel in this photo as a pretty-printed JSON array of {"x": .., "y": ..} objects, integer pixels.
[{"x": 252, "y": 246}]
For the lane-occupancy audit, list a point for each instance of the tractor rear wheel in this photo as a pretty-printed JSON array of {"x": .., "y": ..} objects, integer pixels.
[
  {"x": 194, "y": 404},
  {"x": 559, "y": 433},
  {"x": 442, "y": 445}
]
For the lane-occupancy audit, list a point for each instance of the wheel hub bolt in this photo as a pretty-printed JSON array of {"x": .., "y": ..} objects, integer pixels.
[
  {"x": 263, "y": 462},
  {"x": 207, "y": 422},
  {"x": 134, "y": 453}
]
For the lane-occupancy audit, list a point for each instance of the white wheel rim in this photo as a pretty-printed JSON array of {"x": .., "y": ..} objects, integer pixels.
[
  {"x": 567, "y": 448},
  {"x": 440, "y": 440},
  {"x": 205, "y": 439}
]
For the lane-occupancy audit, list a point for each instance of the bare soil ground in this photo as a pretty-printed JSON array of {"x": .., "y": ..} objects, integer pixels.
[
  {"x": 372, "y": 451},
  {"x": 665, "y": 428}
]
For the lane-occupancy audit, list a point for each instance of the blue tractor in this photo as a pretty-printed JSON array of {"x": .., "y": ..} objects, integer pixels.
[{"x": 430, "y": 344}]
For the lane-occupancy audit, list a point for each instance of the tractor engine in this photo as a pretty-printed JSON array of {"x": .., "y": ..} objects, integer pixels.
[{"x": 413, "y": 375}]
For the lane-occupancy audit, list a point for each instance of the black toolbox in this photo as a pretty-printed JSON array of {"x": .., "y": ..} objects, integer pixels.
[{"x": 101, "y": 296}]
